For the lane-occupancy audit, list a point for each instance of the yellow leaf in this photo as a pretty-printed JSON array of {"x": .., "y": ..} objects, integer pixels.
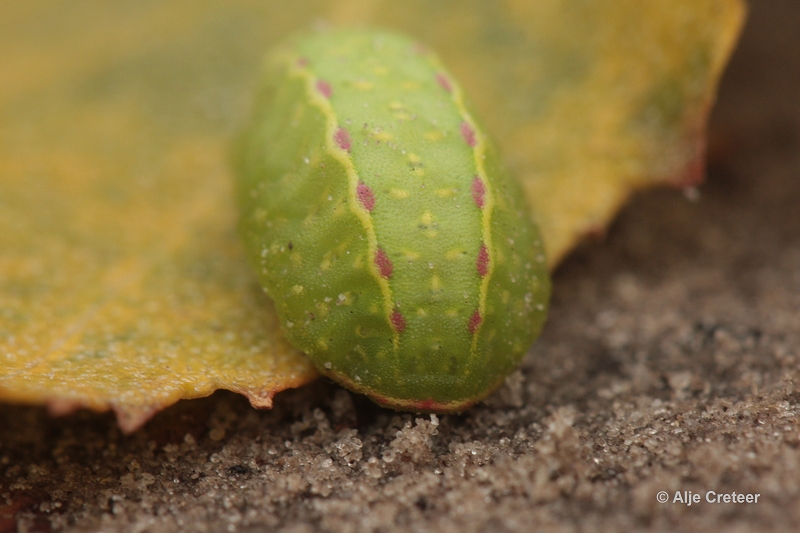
[{"x": 122, "y": 281}]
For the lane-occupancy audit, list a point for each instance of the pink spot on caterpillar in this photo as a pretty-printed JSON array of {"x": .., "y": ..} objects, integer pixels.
[
  {"x": 342, "y": 139},
  {"x": 474, "y": 321},
  {"x": 302, "y": 62},
  {"x": 399, "y": 322},
  {"x": 482, "y": 263},
  {"x": 478, "y": 192},
  {"x": 442, "y": 80},
  {"x": 469, "y": 134},
  {"x": 325, "y": 88},
  {"x": 365, "y": 196},
  {"x": 383, "y": 263},
  {"x": 427, "y": 405}
]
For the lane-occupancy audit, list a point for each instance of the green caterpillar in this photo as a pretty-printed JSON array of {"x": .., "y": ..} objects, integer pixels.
[{"x": 378, "y": 217}]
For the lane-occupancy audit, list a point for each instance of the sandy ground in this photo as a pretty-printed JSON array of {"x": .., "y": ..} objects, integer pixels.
[{"x": 669, "y": 363}]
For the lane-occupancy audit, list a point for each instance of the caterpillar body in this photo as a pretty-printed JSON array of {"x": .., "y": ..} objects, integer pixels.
[{"x": 400, "y": 255}]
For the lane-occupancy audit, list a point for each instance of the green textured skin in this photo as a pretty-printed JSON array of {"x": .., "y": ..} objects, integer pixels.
[{"x": 400, "y": 254}]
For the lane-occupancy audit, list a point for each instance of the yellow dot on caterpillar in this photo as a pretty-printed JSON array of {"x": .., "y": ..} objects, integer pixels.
[
  {"x": 297, "y": 116},
  {"x": 381, "y": 136},
  {"x": 436, "y": 284},
  {"x": 414, "y": 158},
  {"x": 298, "y": 289},
  {"x": 446, "y": 193},
  {"x": 452, "y": 313},
  {"x": 421, "y": 312},
  {"x": 338, "y": 209},
  {"x": 410, "y": 255},
  {"x": 395, "y": 105},
  {"x": 433, "y": 136},
  {"x": 411, "y": 85},
  {"x": 455, "y": 255},
  {"x": 426, "y": 219},
  {"x": 322, "y": 344},
  {"x": 400, "y": 194},
  {"x": 362, "y": 85}
]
